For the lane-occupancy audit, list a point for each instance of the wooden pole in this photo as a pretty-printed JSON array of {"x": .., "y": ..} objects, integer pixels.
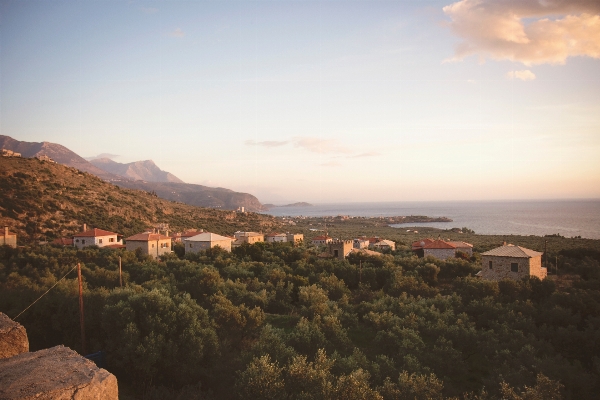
[
  {"x": 120, "y": 273},
  {"x": 81, "y": 319}
]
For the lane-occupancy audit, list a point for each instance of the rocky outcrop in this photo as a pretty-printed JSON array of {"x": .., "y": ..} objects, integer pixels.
[
  {"x": 13, "y": 337},
  {"x": 56, "y": 373}
]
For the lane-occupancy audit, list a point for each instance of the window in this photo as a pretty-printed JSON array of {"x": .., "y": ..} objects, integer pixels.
[
  {"x": 100, "y": 241},
  {"x": 491, "y": 264},
  {"x": 76, "y": 240},
  {"x": 514, "y": 267},
  {"x": 82, "y": 241},
  {"x": 152, "y": 245},
  {"x": 190, "y": 245},
  {"x": 111, "y": 239}
]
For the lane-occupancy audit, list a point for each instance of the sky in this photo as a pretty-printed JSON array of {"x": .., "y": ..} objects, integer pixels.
[{"x": 318, "y": 101}]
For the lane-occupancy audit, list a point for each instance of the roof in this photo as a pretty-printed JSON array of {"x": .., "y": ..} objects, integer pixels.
[
  {"x": 187, "y": 234},
  {"x": 512, "y": 251},
  {"x": 63, "y": 242},
  {"x": 459, "y": 244},
  {"x": 385, "y": 243},
  {"x": 146, "y": 237},
  {"x": 275, "y": 234},
  {"x": 439, "y": 244},
  {"x": 419, "y": 244},
  {"x": 95, "y": 233},
  {"x": 207, "y": 237},
  {"x": 322, "y": 237}
]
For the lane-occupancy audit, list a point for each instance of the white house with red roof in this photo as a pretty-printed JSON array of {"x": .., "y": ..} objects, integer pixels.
[
  {"x": 97, "y": 237},
  {"x": 153, "y": 244},
  {"x": 321, "y": 240}
]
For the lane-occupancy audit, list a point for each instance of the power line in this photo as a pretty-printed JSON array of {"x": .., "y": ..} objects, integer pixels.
[{"x": 57, "y": 282}]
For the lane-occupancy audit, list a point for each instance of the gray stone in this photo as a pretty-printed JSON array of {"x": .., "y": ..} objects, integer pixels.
[{"x": 58, "y": 373}]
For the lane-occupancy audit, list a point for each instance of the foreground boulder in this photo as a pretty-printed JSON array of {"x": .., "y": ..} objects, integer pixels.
[
  {"x": 13, "y": 337},
  {"x": 56, "y": 373}
]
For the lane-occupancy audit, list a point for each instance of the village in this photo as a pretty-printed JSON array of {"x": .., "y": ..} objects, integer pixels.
[{"x": 505, "y": 262}]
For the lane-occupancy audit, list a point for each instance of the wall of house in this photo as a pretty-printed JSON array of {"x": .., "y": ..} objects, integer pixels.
[
  {"x": 340, "y": 248},
  {"x": 295, "y": 237},
  {"x": 153, "y": 247},
  {"x": 501, "y": 267},
  {"x": 272, "y": 239},
  {"x": 442, "y": 254},
  {"x": 100, "y": 241},
  {"x": 466, "y": 250},
  {"x": 194, "y": 247},
  {"x": 9, "y": 240}
]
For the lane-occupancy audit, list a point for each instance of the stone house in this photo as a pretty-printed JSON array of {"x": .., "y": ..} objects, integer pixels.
[
  {"x": 248, "y": 237},
  {"x": 97, "y": 237},
  {"x": 7, "y": 238},
  {"x": 276, "y": 237},
  {"x": 439, "y": 249},
  {"x": 153, "y": 244},
  {"x": 463, "y": 247},
  {"x": 295, "y": 238},
  {"x": 384, "y": 245},
  {"x": 206, "y": 240},
  {"x": 321, "y": 240},
  {"x": 340, "y": 248},
  {"x": 360, "y": 243},
  {"x": 511, "y": 262}
]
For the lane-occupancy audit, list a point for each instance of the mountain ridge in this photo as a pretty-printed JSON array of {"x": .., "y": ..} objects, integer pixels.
[{"x": 145, "y": 170}]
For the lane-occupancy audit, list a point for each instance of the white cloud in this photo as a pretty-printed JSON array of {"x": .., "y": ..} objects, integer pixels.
[
  {"x": 317, "y": 145},
  {"x": 266, "y": 143},
  {"x": 177, "y": 33},
  {"x": 524, "y": 75},
  {"x": 554, "y": 31}
]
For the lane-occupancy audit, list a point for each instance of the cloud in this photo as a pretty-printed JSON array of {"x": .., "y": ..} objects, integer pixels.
[
  {"x": 318, "y": 145},
  {"x": 266, "y": 143},
  {"x": 149, "y": 10},
  {"x": 527, "y": 31},
  {"x": 524, "y": 75},
  {"x": 177, "y": 33},
  {"x": 366, "y": 154},
  {"x": 330, "y": 164}
]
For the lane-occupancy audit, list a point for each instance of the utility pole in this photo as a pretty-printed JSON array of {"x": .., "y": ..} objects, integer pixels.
[
  {"x": 120, "y": 273},
  {"x": 81, "y": 320},
  {"x": 546, "y": 255}
]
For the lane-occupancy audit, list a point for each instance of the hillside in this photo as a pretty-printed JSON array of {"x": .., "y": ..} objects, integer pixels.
[
  {"x": 150, "y": 177},
  {"x": 42, "y": 201},
  {"x": 138, "y": 170}
]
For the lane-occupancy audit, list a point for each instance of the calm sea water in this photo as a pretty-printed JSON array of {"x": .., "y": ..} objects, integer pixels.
[{"x": 523, "y": 217}]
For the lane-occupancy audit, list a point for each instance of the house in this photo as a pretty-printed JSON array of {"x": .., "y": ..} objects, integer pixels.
[
  {"x": 97, "y": 237},
  {"x": 511, "y": 262},
  {"x": 321, "y": 240},
  {"x": 248, "y": 237},
  {"x": 340, "y": 248},
  {"x": 64, "y": 242},
  {"x": 360, "y": 243},
  {"x": 463, "y": 247},
  {"x": 7, "y": 238},
  {"x": 206, "y": 240},
  {"x": 439, "y": 249},
  {"x": 45, "y": 158},
  {"x": 180, "y": 237},
  {"x": 295, "y": 238},
  {"x": 153, "y": 244},
  {"x": 10, "y": 153},
  {"x": 276, "y": 237},
  {"x": 384, "y": 245},
  {"x": 417, "y": 247}
]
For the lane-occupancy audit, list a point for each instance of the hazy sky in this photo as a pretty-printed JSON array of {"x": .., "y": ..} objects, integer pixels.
[{"x": 320, "y": 101}]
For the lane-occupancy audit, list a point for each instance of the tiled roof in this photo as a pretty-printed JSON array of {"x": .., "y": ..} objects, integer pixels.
[
  {"x": 187, "y": 234},
  {"x": 146, "y": 237},
  {"x": 94, "y": 233},
  {"x": 207, "y": 237},
  {"x": 419, "y": 244},
  {"x": 439, "y": 244},
  {"x": 456, "y": 243},
  {"x": 512, "y": 251},
  {"x": 323, "y": 237}
]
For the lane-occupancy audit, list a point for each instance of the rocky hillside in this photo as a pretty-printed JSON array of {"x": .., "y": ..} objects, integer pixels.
[
  {"x": 138, "y": 170},
  {"x": 42, "y": 201},
  {"x": 149, "y": 177}
]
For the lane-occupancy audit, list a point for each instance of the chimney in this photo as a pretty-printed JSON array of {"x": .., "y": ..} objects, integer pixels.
[
  {"x": 503, "y": 243},
  {"x": 85, "y": 227},
  {"x": 6, "y": 231}
]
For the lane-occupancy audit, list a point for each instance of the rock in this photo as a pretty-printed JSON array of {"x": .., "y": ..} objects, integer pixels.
[
  {"x": 57, "y": 373},
  {"x": 13, "y": 337}
]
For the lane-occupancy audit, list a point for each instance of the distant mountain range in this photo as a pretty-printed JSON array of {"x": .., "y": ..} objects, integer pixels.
[
  {"x": 142, "y": 175},
  {"x": 137, "y": 170}
]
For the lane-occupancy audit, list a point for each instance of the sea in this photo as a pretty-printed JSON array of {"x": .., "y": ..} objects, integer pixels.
[{"x": 569, "y": 218}]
